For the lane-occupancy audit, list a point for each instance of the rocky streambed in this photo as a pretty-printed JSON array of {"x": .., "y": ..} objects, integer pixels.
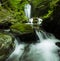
[{"x": 8, "y": 33}]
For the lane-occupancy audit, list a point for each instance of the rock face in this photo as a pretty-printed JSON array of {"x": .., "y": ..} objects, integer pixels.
[
  {"x": 25, "y": 32},
  {"x": 6, "y": 45},
  {"x": 5, "y": 25},
  {"x": 52, "y": 24}
]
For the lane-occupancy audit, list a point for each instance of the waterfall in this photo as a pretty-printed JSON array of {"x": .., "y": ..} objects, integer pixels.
[
  {"x": 27, "y": 10},
  {"x": 45, "y": 50},
  {"x": 39, "y": 21},
  {"x": 17, "y": 53},
  {"x": 31, "y": 20},
  {"x": 44, "y": 35}
]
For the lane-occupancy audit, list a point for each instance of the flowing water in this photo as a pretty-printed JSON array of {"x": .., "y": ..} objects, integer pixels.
[
  {"x": 45, "y": 50},
  {"x": 31, "y": 20},
  {"x": 17, "y": 53},
  {"x": 27, "y": 10},
  {"x": 39, "y": 21}
]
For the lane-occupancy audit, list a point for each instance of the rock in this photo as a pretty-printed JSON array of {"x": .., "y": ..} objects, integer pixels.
[
  {"x": 35, "y": 20},
  {"x": 58, "y": 44},
  {"x": 24, "y": 31},
  {"x": 52, "y": 24},
  {"x": 6, "y": 46},
  {"x": 5, "y": 25},
  {"x": 21, "y": 28}
]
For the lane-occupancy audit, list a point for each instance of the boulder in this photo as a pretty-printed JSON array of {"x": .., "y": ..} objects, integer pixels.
[
  {"x": 25, "y": 32},
  {"x": 6, "y": 45}
]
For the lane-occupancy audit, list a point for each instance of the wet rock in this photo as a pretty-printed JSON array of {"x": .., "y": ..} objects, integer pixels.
[
  {"x": 6, "y": 45},
  {"x": 25, "y": 32},
  {"x": 58, "y": 44}
]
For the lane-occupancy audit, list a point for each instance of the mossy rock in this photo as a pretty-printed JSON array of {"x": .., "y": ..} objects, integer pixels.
[
  {"x": 24, "y": 32},
  {"x": 21, "y": 28},
  {"x": 5, "y": 25},
  {"x": 6, "y": 46},
  {"x": 35, "y": 20}
]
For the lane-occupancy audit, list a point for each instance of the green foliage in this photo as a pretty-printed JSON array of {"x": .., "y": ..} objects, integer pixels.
[
  {"x": 16, "y": 8},
  {"x": 14, "y": 3},
  {"x": 43, "y": 8},
  {"x": 53, "y": 3},
  {"x": 6, "y": 43},
  {"x": 4, "y": 14},
  {"x": 40, "y": 8},
  {"x": 48, "y": 15}
]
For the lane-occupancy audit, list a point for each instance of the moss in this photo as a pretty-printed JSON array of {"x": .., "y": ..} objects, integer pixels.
[
  {"x": 21, "y": 28},
  {"x": 6, "y": 44}
]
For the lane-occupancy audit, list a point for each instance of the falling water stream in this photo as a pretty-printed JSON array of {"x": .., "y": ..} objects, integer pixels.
[
  {"x": 27, "y": 10},
  {"x": 44, "y": 50}
]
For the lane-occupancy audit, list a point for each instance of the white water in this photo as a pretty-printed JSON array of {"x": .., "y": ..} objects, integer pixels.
[
  {"x": 27, "y": 10},
  {"x": 45, "y": 50},
  {"x": 39, "y": 20},
  {"x": 31, "y": 20},
  {"x": 17, "y": 53}
]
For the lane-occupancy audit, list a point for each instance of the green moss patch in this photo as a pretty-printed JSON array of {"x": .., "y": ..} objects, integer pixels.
[{"x": 21, "y": 28}]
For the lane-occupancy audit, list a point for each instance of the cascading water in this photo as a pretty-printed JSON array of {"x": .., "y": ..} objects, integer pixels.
[
  {"x": 16, "y": 54},
  {"x": 45, "y": 50},
  {"x": 27, "y": 10},
  {"x": 31, "y": 20},
  {"x": 39, "y": 21}
]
